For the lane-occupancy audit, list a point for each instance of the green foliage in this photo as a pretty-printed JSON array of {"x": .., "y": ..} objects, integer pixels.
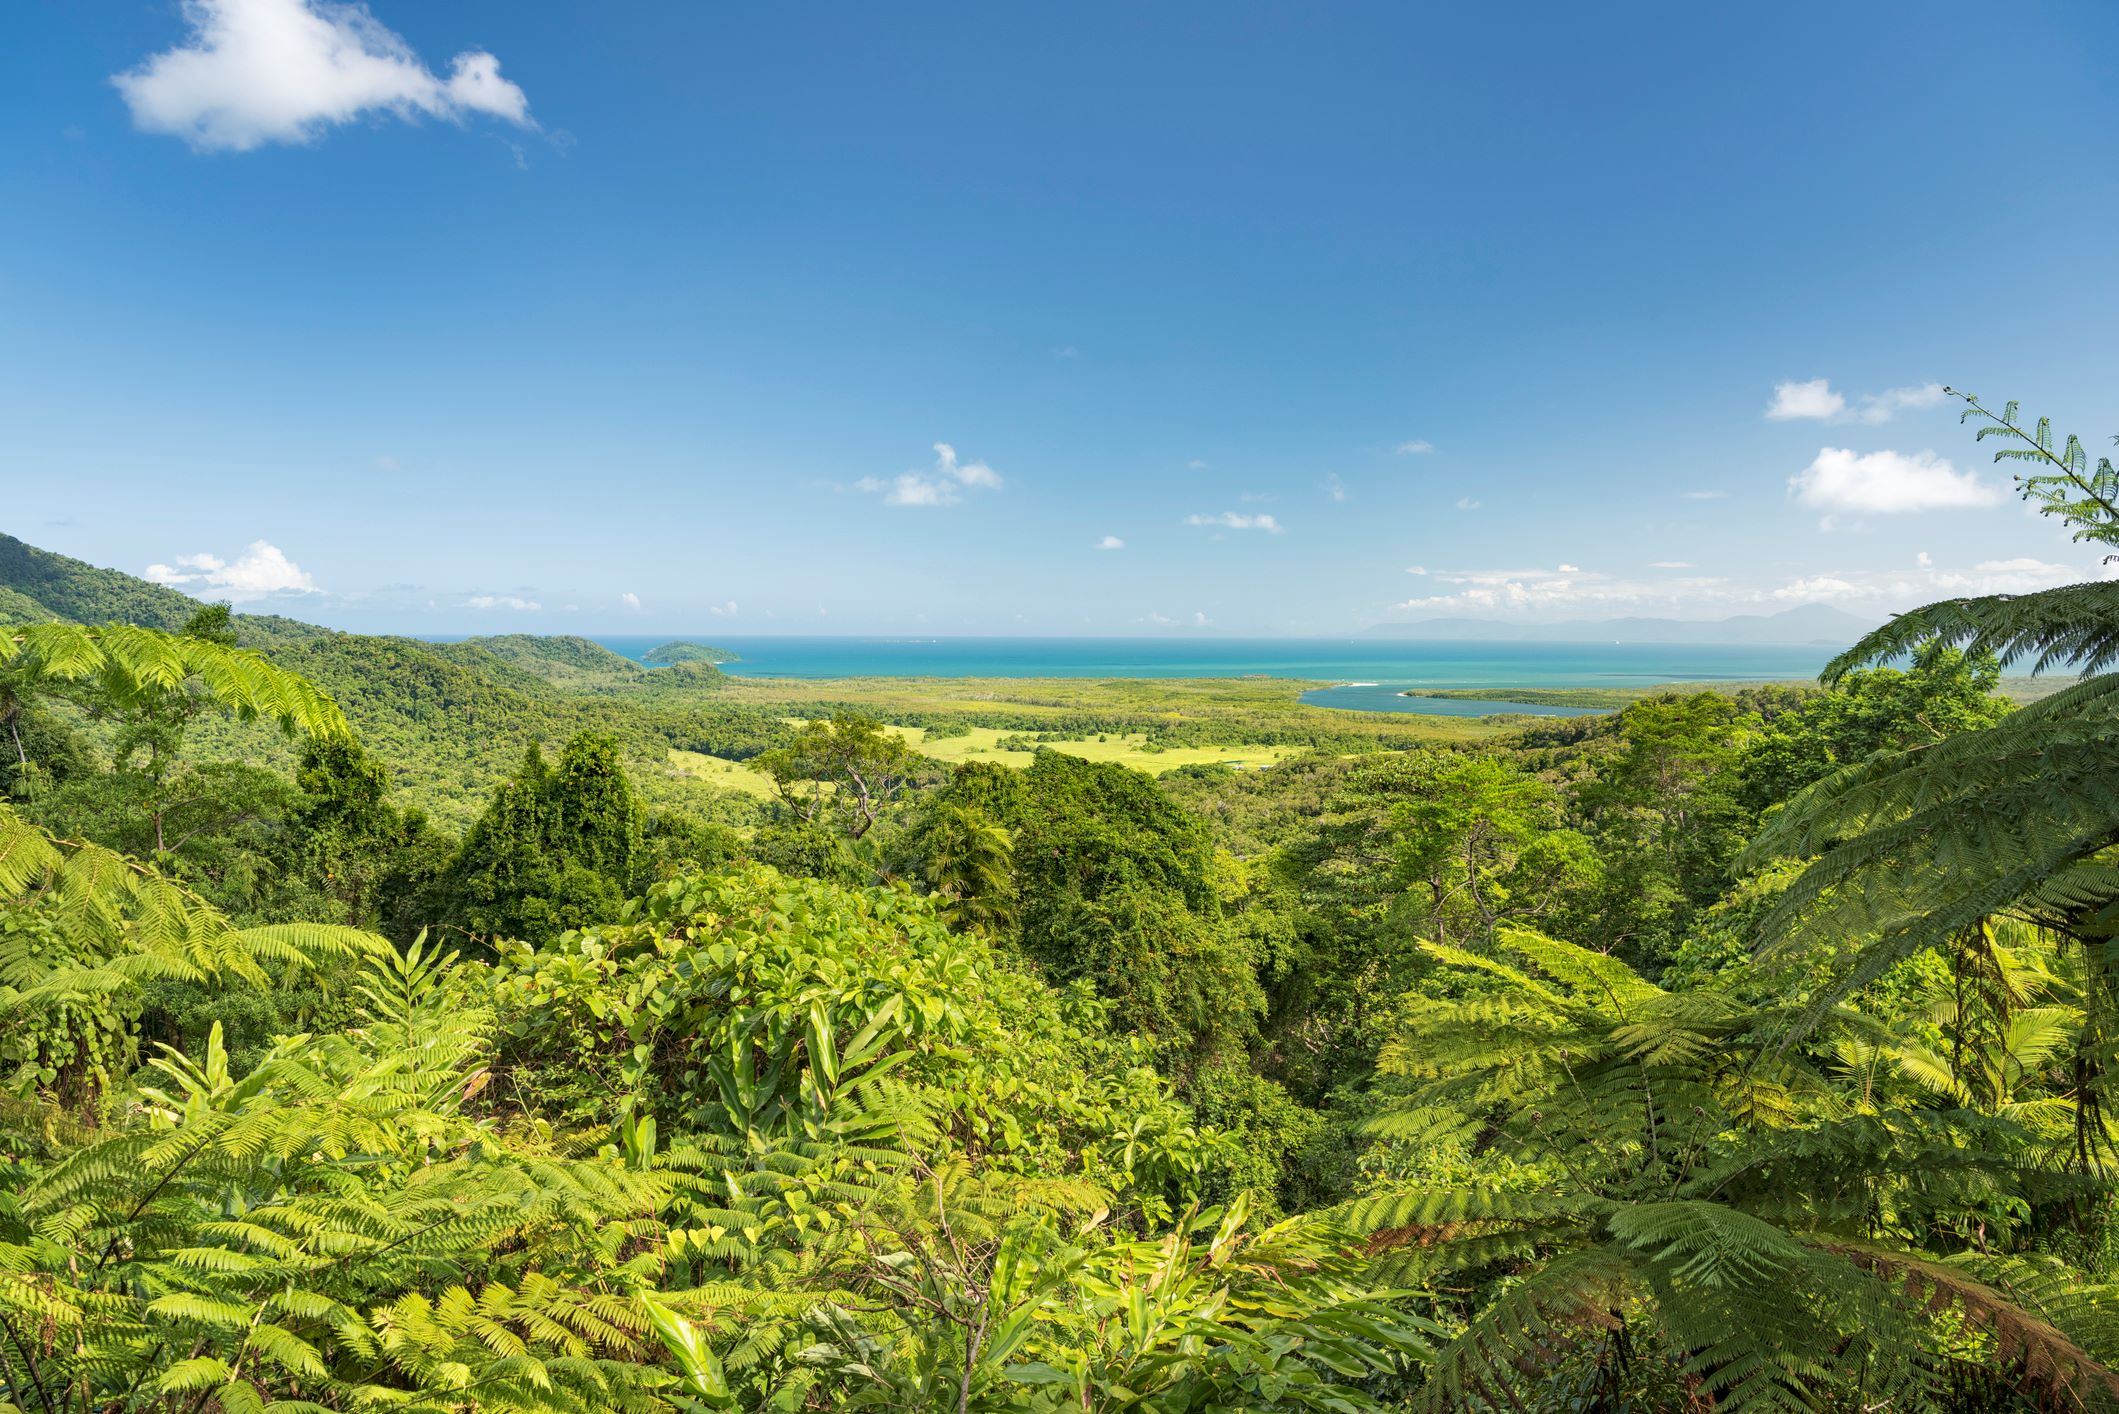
[
  {"x": 557, "y": 848},
  {"x": 85, "y": 932},
  {"x": 1693, "y": 1183},
  {"x": 1944, "y": 691},
  {"x": 1419, "y": 844},
  {"x": 329, "y": 1230},
  {"x": 680, "y": 651},
  {"x": 969, "y": 863},
  {"x": 1119, "y": 888},
  {"x": 1037, "y": 1312},
  {"x": 762, "y": 1008},
  {"x": 841, "y": 774},
  {"x": 1916, "y": 846}
]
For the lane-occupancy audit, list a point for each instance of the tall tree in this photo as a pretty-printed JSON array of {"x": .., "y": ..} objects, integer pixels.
[
  {"x": 842, "y": 773},
  {"x": 557, "y": 848}
]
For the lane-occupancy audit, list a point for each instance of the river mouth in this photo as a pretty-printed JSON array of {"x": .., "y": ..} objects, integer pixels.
[{"x": 1390, "y": 697}]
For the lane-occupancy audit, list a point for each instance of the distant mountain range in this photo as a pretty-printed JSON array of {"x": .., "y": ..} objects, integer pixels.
[{"x": 1809, "y": 624}]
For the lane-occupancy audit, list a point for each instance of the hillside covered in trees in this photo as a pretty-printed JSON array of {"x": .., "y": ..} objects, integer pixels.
[{"x": 388, "y": 1025}]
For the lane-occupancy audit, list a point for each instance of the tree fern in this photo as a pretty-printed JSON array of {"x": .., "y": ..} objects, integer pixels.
[{"x": 1648, "y": 1192}]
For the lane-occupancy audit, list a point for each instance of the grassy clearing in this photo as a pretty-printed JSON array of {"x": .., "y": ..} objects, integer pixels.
[
  {"x": 1130, "y": 749},
  {"x": 729, "y": 775},
  {"x": 1205, "y": 713}
]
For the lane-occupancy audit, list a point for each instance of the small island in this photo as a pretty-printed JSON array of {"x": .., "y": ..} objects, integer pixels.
[{"x": 683, "y": 652}]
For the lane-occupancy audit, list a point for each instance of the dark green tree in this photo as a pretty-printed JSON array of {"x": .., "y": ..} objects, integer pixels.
[
  {"x": 1666, "y": 820},
  {"x": 1119, "y": 887},
  {"x": 1943, "y": 691},
  {"x": 372, "y": 860},
  {"x": 557, "y": 848},
  {"x": 1430, "y": 845}
]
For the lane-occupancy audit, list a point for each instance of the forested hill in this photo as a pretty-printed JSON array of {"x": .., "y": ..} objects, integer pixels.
[{"x": 450, "y": 719}]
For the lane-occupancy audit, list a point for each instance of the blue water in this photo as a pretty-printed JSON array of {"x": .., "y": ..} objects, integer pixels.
[
  {"x": 1390, "y": 697},
  {"x": 1382, "y": 668}
]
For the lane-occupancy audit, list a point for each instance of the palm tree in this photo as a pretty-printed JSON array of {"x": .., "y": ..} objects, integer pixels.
[{"x": 970, "y": 864}]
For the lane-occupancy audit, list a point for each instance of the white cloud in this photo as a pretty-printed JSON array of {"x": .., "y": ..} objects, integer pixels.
[
  {"x": 1238, "y": 520},
  {"x": 1110, "y": 542},
  {"x": 1418, "y": 447},
  {"x": 1925, "y": 560},
  {"x": 1531, "y": 594},
  {"x": 1812, "y": 399},
  {"x": 1821, "y": 588},
  {"x": 728, "y": 610},
  {"x": 1466, "y": 503},
  {"x": 501, "y": 601},
  {"x": 1887, "y": 483},
  {"x": 630, "y": 600},
  {"x": 2021, "y": 575},
  {"x": 1882, "y": 407},
  {"x": 943, "y": 485},
  {"x": 1334, "y": 487},
  {"x": 261, "y": 571},
  {"x": 1817, "y": 400},
  {"x": 1195, "y": 465},
  {"x": 1529, "y": 590},
  {"x": 1670, "y": 564},
  {"x": 1706, "y": 495},
  {"x": 1159, "y": 620},
  {"x": 1200, "y": 620},
  {"x": 1067, "y": 351},
  {"x": 253, "y": 72}
]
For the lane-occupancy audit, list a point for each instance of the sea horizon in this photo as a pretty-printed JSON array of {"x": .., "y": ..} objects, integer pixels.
[{"x": 1397, "y": 663}]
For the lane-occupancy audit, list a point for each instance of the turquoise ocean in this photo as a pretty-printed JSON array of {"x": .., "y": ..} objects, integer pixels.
[{"x": 1369, "y": 674}]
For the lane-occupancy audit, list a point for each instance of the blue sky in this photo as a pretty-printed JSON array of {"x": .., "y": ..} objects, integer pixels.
[{"x": 488, "y": 316}]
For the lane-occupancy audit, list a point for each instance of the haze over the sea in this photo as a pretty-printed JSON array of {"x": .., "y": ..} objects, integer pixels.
[{"x": 1430, "y": 664}]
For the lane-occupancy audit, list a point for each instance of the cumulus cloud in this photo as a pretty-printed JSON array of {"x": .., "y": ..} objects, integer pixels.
[
  {"x": 1527, "y": 590},
  {"x": 1882, "y": 407},
  {"x": 1418, "y": 447},
  {"x": 1706, "y": 495},
  {"x": 1887, "y": 483},
  {"x": 501, "y": 601},
  {"x": 1670, "y": 564},
  {"x": 1569, "y": 590},
  {"x": 1817, "y": 400},
  {"x": 262, "y": 570},
  {"x": 1158, "y": 619},
  {"x": 2023, "y": 574},
  {"x": 1196, "y": 464},
  {"x": 1334, "y": 487},
  {"x": 1466, "y": 503},
  {"x": 630, "y": 600},
  {"x": 253, "y": 72},
  {"x": 1110, "y": 542},
  {"x": 1238, "y": 520},
  {"x": 727, "y": 610},
  {"x": 944, "y": 484},
  {"x": 1800, "y": 400},
  {"x": 1200, "y": 620}
]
